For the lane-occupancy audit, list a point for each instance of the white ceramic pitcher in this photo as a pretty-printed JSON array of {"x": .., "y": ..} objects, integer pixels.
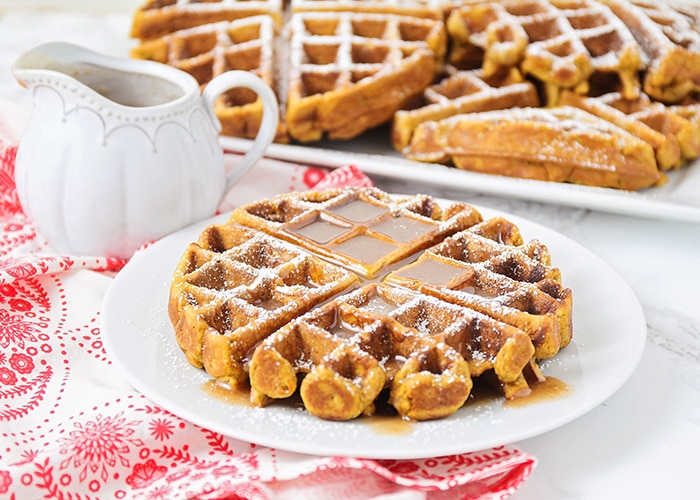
[{"x": 119, "y": 152}]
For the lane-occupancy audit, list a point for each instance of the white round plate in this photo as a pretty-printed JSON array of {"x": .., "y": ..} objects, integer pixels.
[{"x": 609, "y": 338}]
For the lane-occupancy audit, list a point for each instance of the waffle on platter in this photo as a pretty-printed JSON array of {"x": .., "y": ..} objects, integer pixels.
[
  {"x": 562, "y": 43},
  {"x": 343, "y": 65},
  {"x": 348, "y": 295},
  {"x": 209, "y": 50},
  {"x": 461, "y": 92},
  {"x": 431, "y": 9},
  {"x": 155, "y": 18},
  {"x": 562, "y": 144},
  {"x": 670, "y": 38},
  {"x": 346, "y": 68}
]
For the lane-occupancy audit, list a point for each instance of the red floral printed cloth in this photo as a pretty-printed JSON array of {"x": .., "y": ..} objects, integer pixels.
[{"x": 71, "y": 427}]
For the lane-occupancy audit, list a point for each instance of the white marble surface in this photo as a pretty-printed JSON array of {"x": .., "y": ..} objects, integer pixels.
[{"x": 641, "y": 443}]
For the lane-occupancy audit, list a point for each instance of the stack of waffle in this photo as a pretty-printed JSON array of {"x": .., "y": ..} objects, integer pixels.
[
  {"x": 349, "y": 295},
  {"x": 579, "y": 53},
  {"x": 341, "y": 68}
]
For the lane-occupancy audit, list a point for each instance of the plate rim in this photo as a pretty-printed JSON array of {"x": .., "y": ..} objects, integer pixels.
[{"x": 111, "y": 330}]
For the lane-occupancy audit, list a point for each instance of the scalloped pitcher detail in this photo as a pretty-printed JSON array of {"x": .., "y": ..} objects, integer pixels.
[{"x": 119, "y": 152}]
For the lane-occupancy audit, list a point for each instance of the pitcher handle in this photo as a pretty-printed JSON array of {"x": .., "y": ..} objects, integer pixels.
[{"x": 268, "y": 126}]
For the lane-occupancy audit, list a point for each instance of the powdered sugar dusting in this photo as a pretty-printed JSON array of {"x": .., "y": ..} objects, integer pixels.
[{"x": 289, "y": 301}]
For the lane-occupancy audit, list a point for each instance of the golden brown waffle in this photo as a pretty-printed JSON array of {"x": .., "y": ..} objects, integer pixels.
[
  {"x": 562, "y": 144},
  {"x": 670, "y": 38},
  {"x": 342, "y": 68},
  {"x": 234, "y": 287},
  {"x": 363, "y": 230},
  {"x": 689, "y": 136},
  {"x": 562, "y": 43},
  {"x": 417, "y": 8},
  {"x": 463, "y": 300},
  {"x": 678, "y": 121},
  {"x": 210, "y": 50},
  {"x": 464, "y": 92},
  {"x": 349, "y": 354},
  {"x": 490, "y": 260},
  {"x": 155, "y": 18},
  {"x": 484, "y": 343},
  {"x": 666, "y": 146},
  {"x": 343, "y": 65},
  {"x": 674, "y": 137}
]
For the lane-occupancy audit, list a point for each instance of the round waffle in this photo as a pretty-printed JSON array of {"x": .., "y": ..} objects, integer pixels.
[{"x": 345, "y": 295}]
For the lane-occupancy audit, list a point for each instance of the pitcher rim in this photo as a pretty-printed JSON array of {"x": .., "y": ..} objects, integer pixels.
[{"x": 183, "y": 80}]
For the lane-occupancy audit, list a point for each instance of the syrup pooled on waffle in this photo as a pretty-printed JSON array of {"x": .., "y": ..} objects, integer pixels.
[
  {"x": 461, "y": 92},
  {"x": 364, "y": 230},
  {"x": 349, "y": 295}
]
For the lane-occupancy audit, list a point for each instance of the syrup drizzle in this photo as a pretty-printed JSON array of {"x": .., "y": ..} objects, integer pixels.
[{"x": 385, "y": 420}]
